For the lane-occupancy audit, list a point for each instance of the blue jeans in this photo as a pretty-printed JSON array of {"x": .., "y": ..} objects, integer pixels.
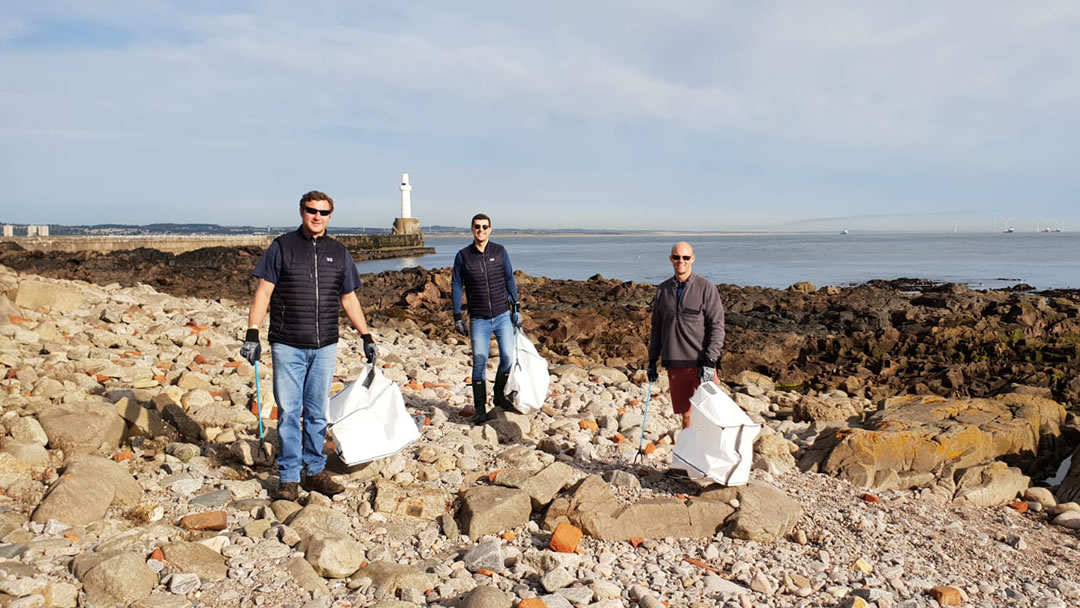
[
  {"x": 302, "y": 378},
  {"x": 480, "y": 333}
]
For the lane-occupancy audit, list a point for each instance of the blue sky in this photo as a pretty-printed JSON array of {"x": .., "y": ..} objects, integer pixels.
[{"x": 606, "y": 114}]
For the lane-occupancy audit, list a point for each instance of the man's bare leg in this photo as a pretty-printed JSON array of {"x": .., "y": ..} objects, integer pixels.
[{"x": 686, "y": 420}]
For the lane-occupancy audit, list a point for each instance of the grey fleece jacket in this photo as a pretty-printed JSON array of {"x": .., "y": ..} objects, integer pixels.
[{"x": 687, "y": 332}]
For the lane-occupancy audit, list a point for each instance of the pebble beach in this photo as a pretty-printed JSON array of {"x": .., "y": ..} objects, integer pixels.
[{"x": 132, "y": 473}]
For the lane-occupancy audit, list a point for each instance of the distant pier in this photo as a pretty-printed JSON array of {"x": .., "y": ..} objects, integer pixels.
[{"x": 362, "y": 247}]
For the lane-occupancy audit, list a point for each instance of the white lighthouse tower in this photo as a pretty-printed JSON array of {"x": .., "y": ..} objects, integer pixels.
[
  {"x": 406, "y": 224},
  {"x": 406, "y": 198}
]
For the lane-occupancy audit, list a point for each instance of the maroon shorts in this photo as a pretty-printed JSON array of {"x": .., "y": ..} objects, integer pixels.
[{"x": 684, "y": 381}]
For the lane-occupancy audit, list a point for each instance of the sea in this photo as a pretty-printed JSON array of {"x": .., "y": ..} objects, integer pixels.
[{"x": 980, "y": 260}]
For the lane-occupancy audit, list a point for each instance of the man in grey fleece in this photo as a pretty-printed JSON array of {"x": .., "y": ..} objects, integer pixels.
[{"x": 687, "y": 330}]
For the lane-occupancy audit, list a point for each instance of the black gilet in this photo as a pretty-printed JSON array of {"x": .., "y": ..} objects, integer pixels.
[
  {"x": 306, "y": 301},
  {"x": 484, "y": 277}
]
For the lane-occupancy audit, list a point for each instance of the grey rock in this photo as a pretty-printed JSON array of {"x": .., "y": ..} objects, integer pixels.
[
  {"x": 541, "y": 486},
  {"x": 487, "y": 555},
  {"x": 388, "y": 578},
  {"x": 306, "y": 577},
  {"x": 183, "y": 583},
  {"x": 490, "y": 510},
  {"x": 319, "y": 519},
  {"x": 217, "y": 498},
  {"x": 334, "y": 557},
  {"x": 556, "y": 579}
]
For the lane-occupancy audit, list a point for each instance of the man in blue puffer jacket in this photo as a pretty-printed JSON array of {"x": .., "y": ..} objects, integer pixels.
[
  {"x": 483, "y": 269},
  {"x": 306, "y": 277}
]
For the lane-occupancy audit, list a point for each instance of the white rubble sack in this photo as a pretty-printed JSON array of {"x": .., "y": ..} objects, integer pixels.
[
  {"x": 719, "y": 444},
  {"x": 368, "y": 419},
  {"x": 527, "y": 385}
]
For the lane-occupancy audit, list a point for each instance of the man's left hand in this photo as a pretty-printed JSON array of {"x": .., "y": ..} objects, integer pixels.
[
  {"x": 708, "y": 373},
  {"x": 370, "y": 350}
]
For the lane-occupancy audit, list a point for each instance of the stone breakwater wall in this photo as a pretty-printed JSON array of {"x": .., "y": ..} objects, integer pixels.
[{"x": 362, "y": 247}]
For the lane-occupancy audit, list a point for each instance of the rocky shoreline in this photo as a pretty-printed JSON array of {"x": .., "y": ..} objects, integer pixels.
[{"x": 132, "y": 473}]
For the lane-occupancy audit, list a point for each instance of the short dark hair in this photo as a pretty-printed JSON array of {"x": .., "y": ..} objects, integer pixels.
[
  {"x": 315, "y": 195},
  {"x": 479, "y": 216}
]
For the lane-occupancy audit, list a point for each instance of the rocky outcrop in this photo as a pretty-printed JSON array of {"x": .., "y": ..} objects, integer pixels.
[
  {"x": 921, "y": 435},
  {"x": 873, "y": 340}
]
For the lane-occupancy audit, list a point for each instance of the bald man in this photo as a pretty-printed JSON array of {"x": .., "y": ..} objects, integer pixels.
[{"x": 687, "y": 330}]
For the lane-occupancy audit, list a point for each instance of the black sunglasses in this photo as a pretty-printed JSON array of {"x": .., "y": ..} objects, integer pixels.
[
  {"x": 322, "y": 212},
  {"x": 481, "y": 226},
  {"x": 685, "y": 258}
]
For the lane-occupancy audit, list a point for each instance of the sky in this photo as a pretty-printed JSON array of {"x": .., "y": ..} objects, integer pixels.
[{"x": 693, "y": 115}]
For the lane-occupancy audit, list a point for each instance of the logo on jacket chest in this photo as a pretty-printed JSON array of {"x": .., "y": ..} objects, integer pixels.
[{"x": 329, "y": 259}]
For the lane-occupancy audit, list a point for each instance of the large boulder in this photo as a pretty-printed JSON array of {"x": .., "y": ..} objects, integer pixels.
[
  {"x": 54, "y": 295},
  {"x": 922, "y": 434},
  {"x": 993, "y": 483},
  {"x": 86, "y": 490},
  {"x": 120, "y": 579},
  {"x": 320, "y": 520},
  {"x": 765, "y": 513},
  {"x": 542, "y": 486},
  {"x": 83, "y": 427},
  {"x": 491, "y": 509}
]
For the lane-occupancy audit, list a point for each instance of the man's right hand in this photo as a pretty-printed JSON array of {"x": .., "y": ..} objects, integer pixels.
[
  {"x": 652, "y": 373},
  {"x": 460, "y": 327},
  {"x": 251, "y": 350}
]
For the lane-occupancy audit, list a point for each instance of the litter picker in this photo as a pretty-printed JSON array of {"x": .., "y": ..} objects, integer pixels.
[
  {"x": 258, "y": 402},
  {"x": 644, "y": 420}
]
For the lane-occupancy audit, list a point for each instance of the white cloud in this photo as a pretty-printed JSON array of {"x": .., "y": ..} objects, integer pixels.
[{"x": 837, "y": 86}]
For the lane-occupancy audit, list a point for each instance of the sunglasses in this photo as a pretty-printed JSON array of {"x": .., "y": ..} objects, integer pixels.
[
  {"x": 312, "y": 211},
  {"x": 685, "y": 258},
  {"x": 481, "y": 226}
]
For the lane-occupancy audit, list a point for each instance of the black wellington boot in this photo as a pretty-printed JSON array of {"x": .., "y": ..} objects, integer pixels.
[
  {"x": 479, "y": 395},
  {"x": 499, "y": 399}
]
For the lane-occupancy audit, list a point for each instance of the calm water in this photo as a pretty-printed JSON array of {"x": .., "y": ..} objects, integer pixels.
[{"x": 983, "y": 260}]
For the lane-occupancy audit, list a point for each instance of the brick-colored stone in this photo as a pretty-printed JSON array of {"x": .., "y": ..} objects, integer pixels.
[
  {"x": 566, "y": 537},
  {"x": 948, "y": 596},
  {"x": 209, "y": 520}
]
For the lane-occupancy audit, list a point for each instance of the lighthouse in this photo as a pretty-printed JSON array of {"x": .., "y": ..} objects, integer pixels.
[
  {"x": 406, "y": 198},
  {"x": 406, "y": 224}
]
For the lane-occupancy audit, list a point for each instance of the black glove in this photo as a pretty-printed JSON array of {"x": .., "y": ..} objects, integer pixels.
[
  {"x": 369, "y": 348},
  {"x": 459, "y": 325},
  {"x": 251, "y": 350},
  {"x": 708, "y": 372},
  {"x": 515, "y": 314},
  {"x": 653, "y": 374}
]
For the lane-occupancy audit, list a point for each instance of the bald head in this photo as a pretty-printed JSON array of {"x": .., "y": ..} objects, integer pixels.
[{"x": 682, "y": 260}]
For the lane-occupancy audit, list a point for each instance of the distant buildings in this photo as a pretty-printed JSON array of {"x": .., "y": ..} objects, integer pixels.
[{"x": 31, "y": 230}]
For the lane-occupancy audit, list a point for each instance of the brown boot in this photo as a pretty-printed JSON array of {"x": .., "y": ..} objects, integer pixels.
[
  {"x": 290, "y": 490},
  {"x": 323, "y": 484}
]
